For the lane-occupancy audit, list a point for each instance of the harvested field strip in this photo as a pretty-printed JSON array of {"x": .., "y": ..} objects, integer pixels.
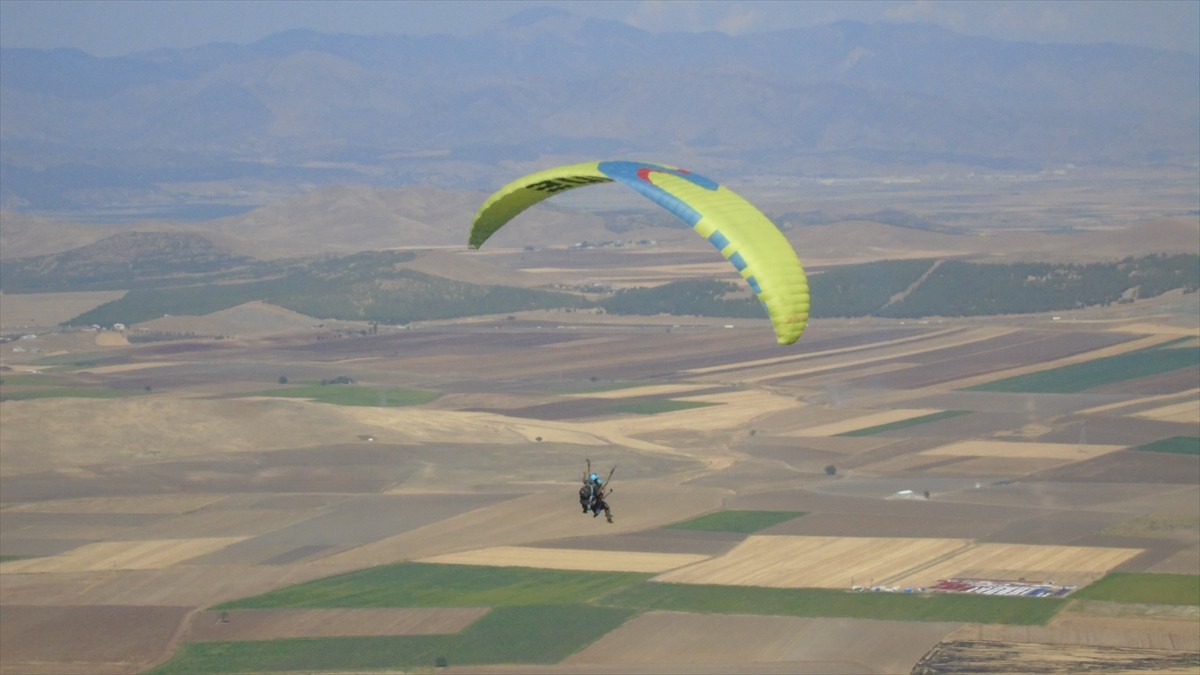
[
  {"x": 1018, "y": 450},
  {"x": 994, "y": 466},
  {"x": 524, "y": 634},
  {"x": 1078, "y": 377},
  {"x": 912, "y": 421},
  {"x": 1190, "y": 394},
  {"x": 1155, "y": 526},
  {"x": 971, "y": 656},
  {"x": 272, "y": 624},
  {"x": 1064, "y": 565},
  {"x": 1179, "y": 445},
  {"x": 636, "y": 389},
  {"x": 814, "y": 562},
  {"x": 654, "y": 407},
  {"x": 776, "y": 644},
  {"x": 741, "y": 407},
  {"x": 961, "y": 337},
  {"x": 1187, "y": 412},
  {"x": 440, "y": 585},
  {"x": 164, "y": 504},
  {"x": 737, "y": 521},
  {"x": 1071, "y": 628},
  {"x": 887, "y": 417},
  {"x": 569, "y": 559},
  {"x": 814, "y": 355},
  {"x": 64, "y": 391},
  {"x": 351, "y": 394},
  {"x": 128, "y": 367},
  {"x": 122, "y": 555},
  {"x": 841, "y": 562},
  {"x": 818, "y": 602},
  {"x": 1151, "y": 589}
]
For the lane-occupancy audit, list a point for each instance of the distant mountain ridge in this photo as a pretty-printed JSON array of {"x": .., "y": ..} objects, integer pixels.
[{"x": 187, "y": 133}]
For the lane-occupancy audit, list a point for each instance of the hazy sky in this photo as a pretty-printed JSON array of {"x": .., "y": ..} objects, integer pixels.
[{"x": 110, "y": 28}]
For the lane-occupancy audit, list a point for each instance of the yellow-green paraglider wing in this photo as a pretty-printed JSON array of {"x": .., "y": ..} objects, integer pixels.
[
  {"x": 746, "y": 237},
  {"x": 525, "y": 192}
]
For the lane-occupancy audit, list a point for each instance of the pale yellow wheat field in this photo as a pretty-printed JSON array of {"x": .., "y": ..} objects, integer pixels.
[{"x": 569, "y": 559}]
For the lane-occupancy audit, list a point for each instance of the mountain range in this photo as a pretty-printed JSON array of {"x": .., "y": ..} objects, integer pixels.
[{"x": 222, "y": 128}]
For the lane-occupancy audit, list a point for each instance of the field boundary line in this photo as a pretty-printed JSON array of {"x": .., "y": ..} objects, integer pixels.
[
  {"x": 1082, "y": 357},
  {"x": 971, "y": 336},
  {"x": 1146, "y": 400},
  {"x": 707, "y": 370},
  {"x": 913, "y": 571}
]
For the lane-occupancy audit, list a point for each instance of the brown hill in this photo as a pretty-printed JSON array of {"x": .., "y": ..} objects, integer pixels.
[
  {"x": 22, "y": 235},
  {"x": 252, "y": 319},
  {"x": 348, "y": 219}
]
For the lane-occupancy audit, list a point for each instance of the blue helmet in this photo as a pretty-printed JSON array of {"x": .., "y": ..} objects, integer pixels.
[{"x": 594, "y": 477}]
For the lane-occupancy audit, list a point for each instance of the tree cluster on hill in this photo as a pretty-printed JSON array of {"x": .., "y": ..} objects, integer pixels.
[
  {"x": 958, "y": 288},
  {"x": 360, "y": 287},
  {"x": 862, "y": 290},
  {"x": 375, "y": 286},
  {"x": 919, "y": 288},
  {"x": 699, "y": 297}
]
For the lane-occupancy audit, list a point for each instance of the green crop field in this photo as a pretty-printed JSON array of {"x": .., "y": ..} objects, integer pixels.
[
  {"x": 23, "y": 380},
  {"x": 656, "y": 406},
  {"x": 352, "y": 394},
  {"x": 434, "y": 585},
  {"x": 543, "y": 616},
  {"x": 737, "y": 521},
  {"x": 1179, "y": 445},
  {"x": 519, "y": 634},
  {"x": 1079, "y": 377},
  {"x": 819, "y": 602},
  {"x": 892, "y": 426},
  {"x": 1150, "y": 589}
]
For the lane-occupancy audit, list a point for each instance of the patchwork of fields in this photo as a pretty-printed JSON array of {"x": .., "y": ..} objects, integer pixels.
[{"x": 427, "y": 510}]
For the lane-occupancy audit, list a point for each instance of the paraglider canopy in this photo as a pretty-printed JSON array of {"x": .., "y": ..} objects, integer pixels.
[{"x": 746, "y": 237}]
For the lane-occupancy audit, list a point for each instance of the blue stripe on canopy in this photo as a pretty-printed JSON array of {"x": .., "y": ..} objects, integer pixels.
[{"x": 718, "y": 240}]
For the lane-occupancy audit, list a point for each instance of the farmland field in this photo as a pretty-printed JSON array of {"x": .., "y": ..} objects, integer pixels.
[
  {"x": 945, "y": 414},
  {"x": 1180, "y": 445},
  {"x": 655, "y": 407},
  {"x": 351, "y": 394},
  {"x": 517, "y": 634},
  {"x": 816, "y": 602},
  {"x": 429, "y": 508},
  {"x": 737, "y": 521},
  {"x": 1154, "y": 589},
  {"x": 442, "y": 585},
  {"x": 1099, "y": 372}
]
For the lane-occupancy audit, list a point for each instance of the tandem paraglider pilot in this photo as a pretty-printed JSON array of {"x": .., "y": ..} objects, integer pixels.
[{"x": 592, "y": 493}]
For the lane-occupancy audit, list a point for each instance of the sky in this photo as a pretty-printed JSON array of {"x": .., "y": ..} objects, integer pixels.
[{"x": 118, "y": 27}]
